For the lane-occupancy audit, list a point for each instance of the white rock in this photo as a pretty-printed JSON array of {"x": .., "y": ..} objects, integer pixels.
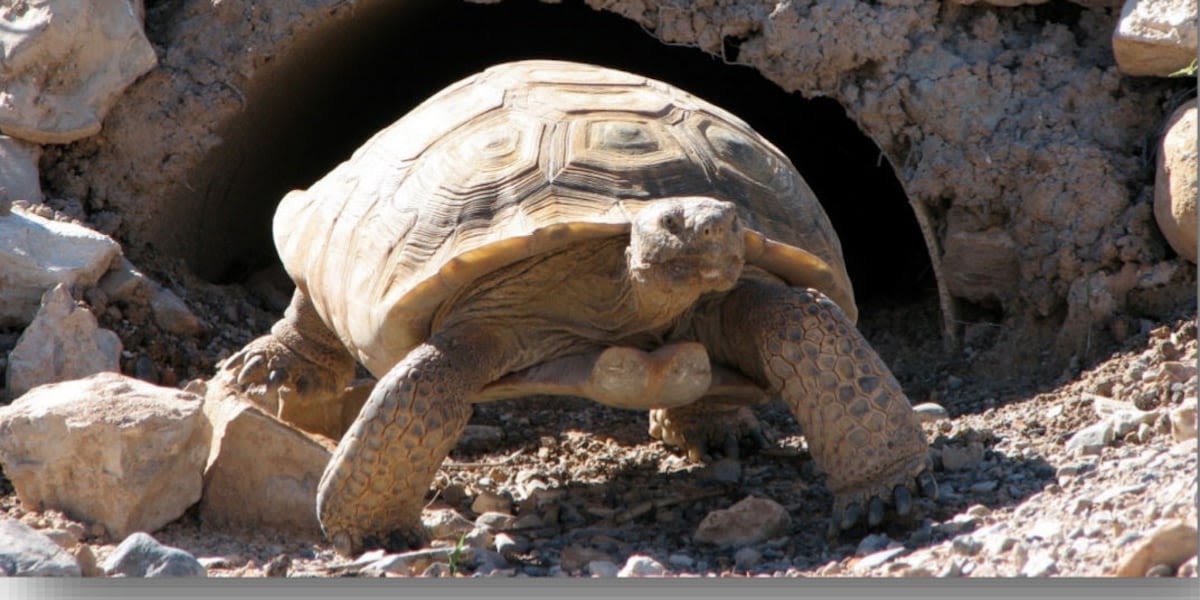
[
  {"x": 1155, "y": 37},
  {"x": 1038, "y": 565},
  {"x": 929, "y": 412},
  {"x": 1093, "y": 439},
  {"x": 64, "y": 342},
  {"x": 106, "y": 449},
  {"x": 38, "y": 253},
  {"x": 18, "y": 172},
  {"x": 640, "y": 565},
  {"x": 750, "y": 521},
  {"x": 1175, "y": 185},
  {"x": 65, "y": 63},
  {"x": 1183, "y": 421},
  {"x": 261, "y": 472},
  {"x": 26, "y": 552}
]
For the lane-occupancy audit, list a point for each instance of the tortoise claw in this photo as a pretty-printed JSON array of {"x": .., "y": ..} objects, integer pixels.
[
  {"x": 875, "y": 511},
  {"x": 903, "y": 500},
  {"x": 852, "y": 516},
  {"x": 252, "y": 370},
  {"x": 277, "y": 377},
  {"x": 928, "y": 485}
]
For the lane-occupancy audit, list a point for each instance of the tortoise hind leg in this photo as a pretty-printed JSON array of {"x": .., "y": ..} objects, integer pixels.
[
  {"x": 296, "y": 372},
  {"x": 373, "y": 488},
  {"x": 860, "y": 428}
]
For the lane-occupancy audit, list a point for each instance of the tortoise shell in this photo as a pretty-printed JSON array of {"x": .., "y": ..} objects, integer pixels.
[{"x": 521, "y": 159}]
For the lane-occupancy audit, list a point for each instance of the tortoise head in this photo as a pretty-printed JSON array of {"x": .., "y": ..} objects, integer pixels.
[{"x": 686, "y": 246}]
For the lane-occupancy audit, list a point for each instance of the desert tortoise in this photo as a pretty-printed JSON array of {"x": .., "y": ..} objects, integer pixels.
[{"x": 554, "y": 225}]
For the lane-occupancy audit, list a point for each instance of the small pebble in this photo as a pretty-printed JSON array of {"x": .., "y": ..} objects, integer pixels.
[{"x": 642, "y": 566}]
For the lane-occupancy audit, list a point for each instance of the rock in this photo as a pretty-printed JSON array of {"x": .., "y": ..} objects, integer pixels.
[
  {"x": 261, "y": 472},
  {"x": 603, "y": 568},
  {"x": 491, "y": 502},
  {"x": 37, "y": 253},
  {"x": 876, "y": 559},
  {"x": 87, "y": 560},
  {"x": 18, "y": 173},
  {"x": 981, "y": 266},
  {"x": 25, "y": 552},
  {"x": 64, "y": 342},
  {"x": 1092, "y": 440},
  {"x": 574, "y": 557},
  {"x": 957, "y": 458},
  {"x": 930, "y": 412},
  {"x": 126, "y": 283},
  {"x": 412, "y": 563},
  {"x": 747, "y": 558},
  {"x": 872, "y": 543},
  {"x": 640, "y": 565},
  {"x": 1038, "y": 565},
  {"x": 750, "y": 521},
  {"x": 106, "y": 449},
  {"x": 495, "y": 521},
  {"x": 509, "y": 546},
  {"x": 446, "y": 524},
  {"x": 140, "y": 555},
  {"x": 66, "y": 63},
  {"x": 1175, "y": 185},
  {"x": 1155, "y": 37},
  {"x": 1183, "y": 421},
  {"x": 1170, "y": 544}
]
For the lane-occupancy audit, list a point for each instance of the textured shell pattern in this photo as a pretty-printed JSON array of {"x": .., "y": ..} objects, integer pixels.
[{"x": 520, "y": 159}]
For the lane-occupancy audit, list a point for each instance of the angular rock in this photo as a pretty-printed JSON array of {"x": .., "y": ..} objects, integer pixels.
[
  {"x": 140, "y": 555},
  {"x": 957, "y": 458},
  {"x": 491, "y": 502},
  {"x": 64, "y": 342},
  {"x": 26, "y": 552},
  {"x": 642, "y": 566},
  {"x": 981, "y": 266},
  {"x": 261, "y": 472},
  {"x": 37, "y": 253},
  {"x": 18, "y": 173},
  {"x": 106, "y": 449},
  {"x": 446, "y": 524},
  {"x": 1170, "y": 544},
  {"x": 127, "y": 284},
  {"x": 1175, "y": 185},
  {"x": 1183, "y": 421},
  {"x": 750, "y": 521},
  {"x": 1093, "y": 439},
  {"x": 65, "y": 64},
  {"x": 1155, "y": 37}
]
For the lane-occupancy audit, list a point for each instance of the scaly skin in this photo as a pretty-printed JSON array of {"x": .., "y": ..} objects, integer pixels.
[
  {"x": 860, "y": 428},
  {"x": 373, "y": 488}
]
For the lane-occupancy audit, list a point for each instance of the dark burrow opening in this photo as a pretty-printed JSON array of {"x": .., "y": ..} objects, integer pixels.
[{"x": 322, "y": 102}]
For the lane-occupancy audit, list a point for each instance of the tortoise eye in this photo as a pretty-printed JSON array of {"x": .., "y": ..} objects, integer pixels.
[{"x": 671, "y": 222}]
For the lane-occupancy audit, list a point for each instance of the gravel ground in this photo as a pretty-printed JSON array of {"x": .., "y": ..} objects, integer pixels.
[{"x": 1070, "y": 477}]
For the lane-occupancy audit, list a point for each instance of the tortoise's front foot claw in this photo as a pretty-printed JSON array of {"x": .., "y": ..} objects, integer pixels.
[{"x": 869, "y": 504}]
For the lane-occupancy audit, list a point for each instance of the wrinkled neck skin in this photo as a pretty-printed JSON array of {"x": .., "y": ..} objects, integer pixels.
[{"x": 658, "y": 296}]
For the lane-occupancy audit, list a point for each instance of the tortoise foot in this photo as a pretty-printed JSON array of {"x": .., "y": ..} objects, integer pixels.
[{"x": 706, "y": 429}]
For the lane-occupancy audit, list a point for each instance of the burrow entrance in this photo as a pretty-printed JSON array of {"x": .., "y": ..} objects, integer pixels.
[{"x": 320, "y": 103}]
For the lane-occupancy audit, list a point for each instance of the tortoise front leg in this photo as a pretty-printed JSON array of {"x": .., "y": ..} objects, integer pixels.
[
  {"x": 860, "y": 428},
  {"x": 374, "y": 486}
]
